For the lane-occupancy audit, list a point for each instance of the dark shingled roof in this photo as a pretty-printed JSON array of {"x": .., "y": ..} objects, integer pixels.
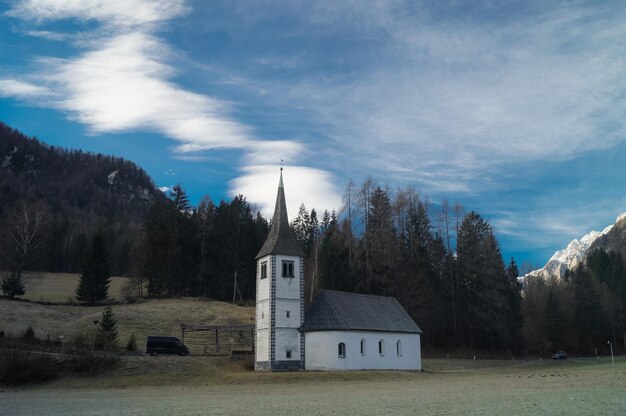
[
  {"x": 333, "y": 310},
  {"x": 280, "y": 239}
]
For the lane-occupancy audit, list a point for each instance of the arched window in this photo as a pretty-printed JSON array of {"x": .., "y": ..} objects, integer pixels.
[
  {"x": 381, "y": 347},
  {"x": 362, "y": 346},
  {"x": 399, "y": 348},
  {"x": 342, "y": 350}
]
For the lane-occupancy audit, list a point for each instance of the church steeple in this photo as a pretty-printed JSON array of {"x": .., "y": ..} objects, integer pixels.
[
  {"x": 279, "y": 295},
  {"x": 280, "y": 239}
]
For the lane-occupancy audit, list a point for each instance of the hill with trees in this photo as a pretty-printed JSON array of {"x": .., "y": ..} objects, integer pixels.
[
  {"x": 81, "y": 191},
  {"x": 443, "y": 265}
]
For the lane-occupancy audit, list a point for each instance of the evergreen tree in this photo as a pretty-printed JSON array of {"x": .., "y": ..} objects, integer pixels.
[
  {"x": 589, "y": 318},
  {"x": 12, "y": 285},
  {"x": 161, "y": 246},
  {"x": 483, "y": 285},
  {"x": 93, "y": 284},
  {"x": 553, "y": 321},
  {"x": 378, "y": 245},
  {"x": 237, "y": 243},
  {"x": 333, "y": 267},
  {"x": 172, "y": 246},
  {"x": 205, "y": 223},
  {"x": 301, "y": 227},
  {"x": 107, "y": 330},
  {"x": 513, "y": 293},
  {"x": 131, "y": 345},
  {"x": 179, "y": 197}
]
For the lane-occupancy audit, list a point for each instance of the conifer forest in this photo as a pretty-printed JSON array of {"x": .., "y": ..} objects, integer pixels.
[{"x": 442, "y": 261}]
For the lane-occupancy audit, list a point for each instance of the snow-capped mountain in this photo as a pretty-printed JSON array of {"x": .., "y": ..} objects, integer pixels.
[{"x": 575, "y": 252}]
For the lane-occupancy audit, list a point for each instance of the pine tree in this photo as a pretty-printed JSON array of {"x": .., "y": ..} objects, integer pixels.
[
  {"x": 553, "y": 321},
  {"x": 588, "y": 312},
  {"x": 132, "y": 343},
  {"x": 107, "y": 330},
  {"x": 515, "y": 317},
  {"x": 483, "y": 285},
  {"x": 93, "y": 284},
  {"x": 301, "y": 226},
  {"x": 12, "y": 285},
  {"x": 180, "y": 199}
]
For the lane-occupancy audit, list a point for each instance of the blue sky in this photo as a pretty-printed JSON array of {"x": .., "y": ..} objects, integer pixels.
[{"x": 513, "y": 109}]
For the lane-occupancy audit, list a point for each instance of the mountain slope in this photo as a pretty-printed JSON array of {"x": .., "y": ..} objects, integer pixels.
[
  {"x": 612, "y": 238},
  {"x": 83, "y": 191}
]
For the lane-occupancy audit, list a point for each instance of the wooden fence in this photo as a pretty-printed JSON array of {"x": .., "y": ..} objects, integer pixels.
[{"x": 217, "y": 340}]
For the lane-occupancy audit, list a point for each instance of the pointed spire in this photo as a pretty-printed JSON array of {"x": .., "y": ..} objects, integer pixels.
[{"x": 280, "y": 239}]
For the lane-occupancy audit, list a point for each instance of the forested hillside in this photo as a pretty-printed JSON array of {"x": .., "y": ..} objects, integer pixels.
[
  {"x": 80, "y": 192},
  {"x": 445, "y": 266}
]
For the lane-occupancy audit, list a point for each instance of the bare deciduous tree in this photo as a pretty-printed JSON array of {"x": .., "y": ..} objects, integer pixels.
[{"x": 20, "y": 239}]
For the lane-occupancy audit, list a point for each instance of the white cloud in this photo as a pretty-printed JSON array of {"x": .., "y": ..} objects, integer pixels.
[
  {"x": 122, "y": 81},
  {"x": 15, "y": 88},
  {"x": 313, "y": 187},
  {"x": 273, "y": 152},
  {"x": 165, "y": 189},
  {"x": 119, "y": 12},
  {"x": 442, "y": 101},
  {"x": 46, "y": 34}
]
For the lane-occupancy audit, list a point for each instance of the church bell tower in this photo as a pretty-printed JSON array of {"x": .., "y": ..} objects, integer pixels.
[{"x": 279, "y": 295}]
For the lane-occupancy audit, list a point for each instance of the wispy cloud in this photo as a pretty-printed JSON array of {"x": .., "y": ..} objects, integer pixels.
[
  {"x": 46, "y": 34},
  {"x": 122, "y": 80},
  {"x": 447, "y": 99},
  {"x": 123, "y": 13},
  {"x": 15, "y": 88}
]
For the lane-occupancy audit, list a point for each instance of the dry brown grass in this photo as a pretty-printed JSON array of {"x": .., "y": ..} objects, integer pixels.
[
  {"x": 60, "y": 287},
  {"x": 153, "y": 317}
]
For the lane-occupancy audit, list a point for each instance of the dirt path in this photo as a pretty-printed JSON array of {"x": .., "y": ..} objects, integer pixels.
[{"x": 555, "y": 390}]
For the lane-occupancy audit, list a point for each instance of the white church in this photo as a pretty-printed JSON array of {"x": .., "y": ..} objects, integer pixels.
[{"x": 339, "y": 330}]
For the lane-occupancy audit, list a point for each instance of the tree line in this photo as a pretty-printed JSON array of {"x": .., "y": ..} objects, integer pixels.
[
  {"x": 449, "y": 276},
  {"x": 81, "y": 191},
  {"x": 444, "y": 266},
  {"x": 582, "y": 312}
]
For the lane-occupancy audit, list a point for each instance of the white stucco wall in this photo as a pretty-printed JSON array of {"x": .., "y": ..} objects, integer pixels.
[
  {"x": 287, "y": 339},
  {"x": 321, "y": 351},
  {"x": 262, "y": 321},
  {"x": 287, "y": 299},
  {"x": 287, "y": 287},
  {"x": 262, "y": 346},
  {"x": 263, "y": 285}
]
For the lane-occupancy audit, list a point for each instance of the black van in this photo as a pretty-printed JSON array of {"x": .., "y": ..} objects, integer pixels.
[{"x": 165, "y": 345}]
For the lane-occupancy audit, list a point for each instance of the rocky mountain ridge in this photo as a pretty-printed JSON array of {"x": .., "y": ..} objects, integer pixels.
[{"x": 612, "y": 238}]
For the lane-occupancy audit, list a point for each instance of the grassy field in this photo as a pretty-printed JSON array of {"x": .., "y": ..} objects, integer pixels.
[
  {"x": 167, "y": 385},
  {"x": 216, "y": 386},
  {"x": 150, "y": 317},
  {"x": 60, "y": 287}
]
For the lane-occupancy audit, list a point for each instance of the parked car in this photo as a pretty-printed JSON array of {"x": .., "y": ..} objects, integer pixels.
[
  {"x": 165, "y": 345},
  {"x": 559, "y": 355}
]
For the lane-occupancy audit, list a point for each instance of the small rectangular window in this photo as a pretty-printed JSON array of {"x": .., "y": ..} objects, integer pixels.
[
  {"x": 288, "y": 354},
  {"x": 264, "y": 270},
  {"x": 288, "y": 314},
  {"x": 341, "y": 350},
  {"x": 287, "y": 268}
]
